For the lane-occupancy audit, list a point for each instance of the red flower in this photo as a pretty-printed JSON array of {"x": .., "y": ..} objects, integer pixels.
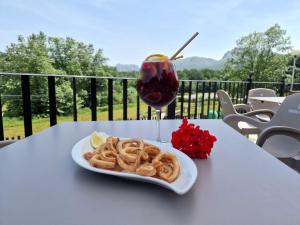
[{"x": 193, "y": 141}]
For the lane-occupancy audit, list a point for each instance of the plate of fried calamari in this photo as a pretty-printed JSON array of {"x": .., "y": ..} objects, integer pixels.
[{"x": 136, "y": 159}]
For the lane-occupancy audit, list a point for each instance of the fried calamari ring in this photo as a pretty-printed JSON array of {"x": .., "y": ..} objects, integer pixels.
[
  {"x": 130, "y": 167},
  {"x": 130, "y": 149},
  {"x": 136, "y": 143},
  {"x": 133, "y": 155},
  {"x": 129, "y": 154},
  {"x": 99, "y": 148},
  {"x": 88, "y": 155},
  {"x": 113, "y": 141},
  {"x": 108, "y": 155},
  {"x": 151, "y": 151},
  {"x": 96, "y": 161},
  {"x": 110, "y": 145},
  {"x": 146, "y": 169},
  {"x": 167, "y": 166}
]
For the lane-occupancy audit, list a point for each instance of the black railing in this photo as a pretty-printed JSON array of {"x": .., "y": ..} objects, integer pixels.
[{"x": 195, "y": 99}]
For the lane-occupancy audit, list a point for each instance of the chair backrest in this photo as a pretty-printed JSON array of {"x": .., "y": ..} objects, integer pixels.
[
  {"x": 288, "y": 113},
  {"x": 262, "y": 92},
  {"x": 226, "y": 103}
]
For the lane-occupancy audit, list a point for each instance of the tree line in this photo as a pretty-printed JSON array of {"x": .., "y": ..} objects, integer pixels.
[{"x": 266, "y": 54}]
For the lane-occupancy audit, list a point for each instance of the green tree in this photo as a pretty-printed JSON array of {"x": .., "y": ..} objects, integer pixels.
[
  {"x": 77, "y": 58},
  {"x": 295, "y": 55},
  {"x": 48, "y": 55},
  {"x": 26, "y": 56},
  {"x": 263, "y": 53},
  {"x": 203, "y": 74}
]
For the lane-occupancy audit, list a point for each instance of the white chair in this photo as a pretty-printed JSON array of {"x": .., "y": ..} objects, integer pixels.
[
  {"x": 281, "y": 135},
  {"x": 262, "y": 92},
  {"x": 229, "y": 109}
]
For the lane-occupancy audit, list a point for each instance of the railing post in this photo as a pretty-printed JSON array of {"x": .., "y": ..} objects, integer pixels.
[
  {"x": 202, "y": 100},
  {"x": 137, "y": 107},
  {"x": 149, "y": 113},
  {"x": 1, "y": 121},
  {"x": 189, "y": 99},
  {"x": 25, "y": 84},
  {"x": 125, "y": 85},
  {"x": 249, "y": 85},
  {"x": 52, "y": 100},
  {"x": 74, "y": 99},
  {"x": 214, "y": 101},
  {"x": 208, "y": 100},
  {"x": 182, "y": 99},
  {"x": 93, "y": 99},
  {"x": 110, "y": 99},
  {"x": 196, "y": 101},
  {"x": 171, "y": 109},
  {"x": 282, "y": 86}
]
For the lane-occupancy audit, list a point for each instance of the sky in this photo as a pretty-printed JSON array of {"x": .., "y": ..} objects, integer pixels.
[{"x": 129, "y": 30}]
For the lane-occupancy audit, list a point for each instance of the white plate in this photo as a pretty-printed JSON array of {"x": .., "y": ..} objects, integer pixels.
[{"x": 183, "y": 183}]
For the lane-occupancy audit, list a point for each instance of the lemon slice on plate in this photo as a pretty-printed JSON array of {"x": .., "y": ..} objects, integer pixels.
[{"x": 97, "y": 139}]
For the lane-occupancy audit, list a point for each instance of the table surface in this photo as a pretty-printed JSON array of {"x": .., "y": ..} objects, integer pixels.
[
  {"x": 269, "y": 99},
  {"x": 239, "y": 184}
]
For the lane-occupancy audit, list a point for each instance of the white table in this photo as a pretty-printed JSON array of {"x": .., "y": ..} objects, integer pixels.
[{"x": 278, "y": 100}]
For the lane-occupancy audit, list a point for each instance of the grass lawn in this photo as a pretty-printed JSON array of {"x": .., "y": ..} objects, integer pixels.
[{"x": 13, "y": 127}]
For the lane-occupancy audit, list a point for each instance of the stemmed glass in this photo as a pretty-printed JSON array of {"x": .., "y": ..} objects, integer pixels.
[{"x": 157, "y": 84}]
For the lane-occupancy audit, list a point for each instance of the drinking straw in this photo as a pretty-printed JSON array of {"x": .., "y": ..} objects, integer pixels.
[
  {"x": 183, "y": 46},
  {"x": 178, "y": 57}
]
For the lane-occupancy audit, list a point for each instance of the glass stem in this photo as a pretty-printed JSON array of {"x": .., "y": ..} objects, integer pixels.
[{"x": 158, "y": 125}]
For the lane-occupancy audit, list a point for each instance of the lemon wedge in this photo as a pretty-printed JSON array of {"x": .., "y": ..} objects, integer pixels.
[
  {"x": 97, "y": 139},
  {"x": 157, "y": 57}
]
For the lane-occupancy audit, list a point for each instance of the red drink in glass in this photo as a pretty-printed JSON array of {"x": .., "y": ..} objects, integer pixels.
[{"x": 157, "y": 84}]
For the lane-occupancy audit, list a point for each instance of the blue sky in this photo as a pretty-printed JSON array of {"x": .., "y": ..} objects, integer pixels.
[{"x": 129, "y": 30}]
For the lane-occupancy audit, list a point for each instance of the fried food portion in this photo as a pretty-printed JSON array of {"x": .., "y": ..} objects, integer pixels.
[
  {"x": 133, "y": 155},
  {"x": 167, "y": 166},
  {"x": 88, "y": 155},
  {"x": 96, "y": 161},
  {"x": 146, "y": 169}
]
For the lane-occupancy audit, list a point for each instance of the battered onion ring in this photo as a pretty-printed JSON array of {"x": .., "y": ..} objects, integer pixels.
[
  {"x": 96, "y": 161},
  {"x": 167, "y": 166},
  {"x": 146, "y": 170}
]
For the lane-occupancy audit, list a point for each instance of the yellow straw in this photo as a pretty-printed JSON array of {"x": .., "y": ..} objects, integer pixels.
[{"x": 183, "y": 46}]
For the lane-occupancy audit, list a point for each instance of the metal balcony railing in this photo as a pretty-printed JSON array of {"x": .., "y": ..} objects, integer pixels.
[{"x": 195, "y": 99}]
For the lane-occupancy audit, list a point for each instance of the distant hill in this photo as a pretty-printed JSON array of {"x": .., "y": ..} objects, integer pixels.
[
  {"x": 127, "y": 67},
  {"x": 194, "y": 62}
]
